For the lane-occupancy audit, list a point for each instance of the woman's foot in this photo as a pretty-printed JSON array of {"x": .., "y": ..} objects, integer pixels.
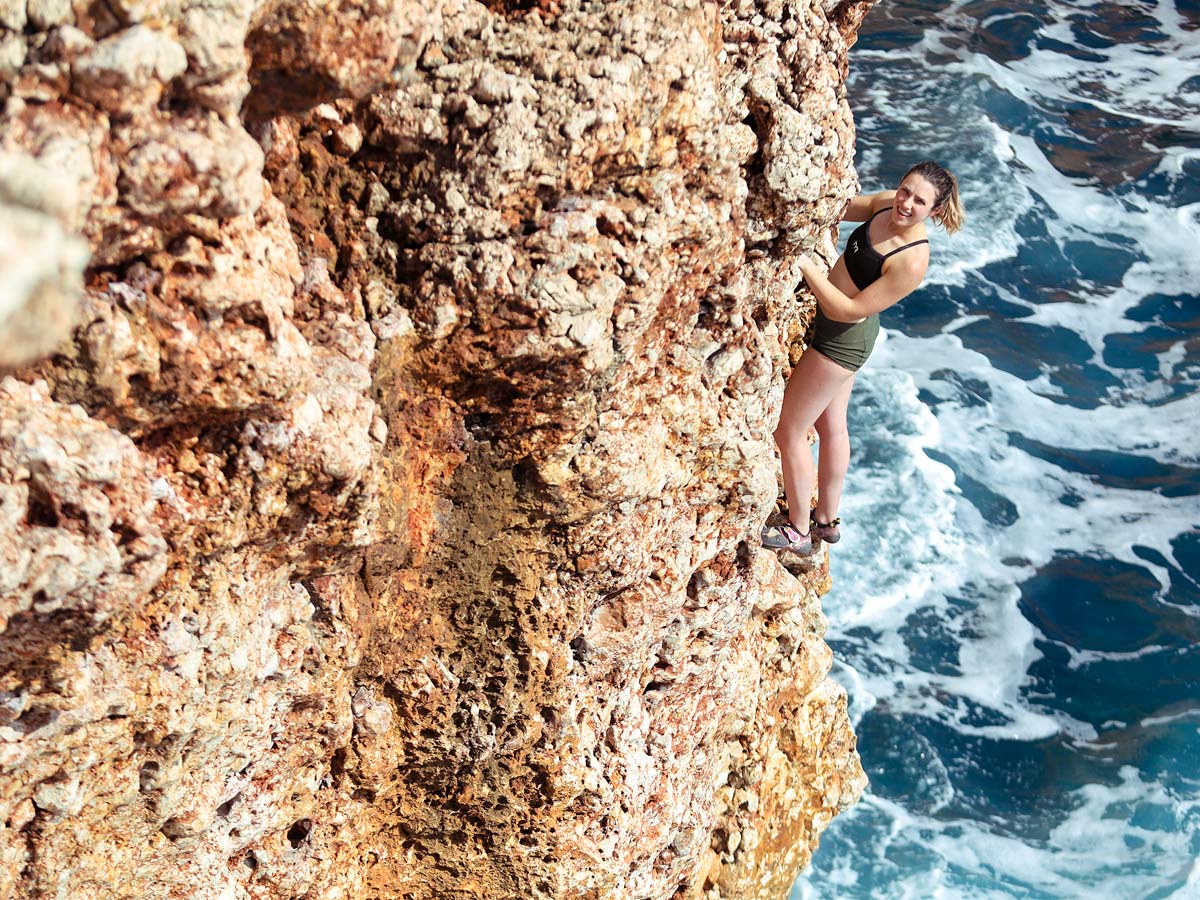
[
  {"x": 825, "y": 531},
  {"x": 786, "y": 536}
]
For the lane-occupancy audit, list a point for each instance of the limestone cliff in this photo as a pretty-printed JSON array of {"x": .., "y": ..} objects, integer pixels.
[{"x": 384, "y": 442}]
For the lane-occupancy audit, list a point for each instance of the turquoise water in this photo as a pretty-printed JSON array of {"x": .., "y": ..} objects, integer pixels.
[{"x": 1016, "y": 610}]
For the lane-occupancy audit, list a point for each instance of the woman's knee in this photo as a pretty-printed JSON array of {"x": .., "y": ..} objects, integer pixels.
[
  {"x": 789, "y": 435},
  {"x": 783, "y": 439},
  {"x": 792, "y": 452},
  {"x": 831, "y": 430}
]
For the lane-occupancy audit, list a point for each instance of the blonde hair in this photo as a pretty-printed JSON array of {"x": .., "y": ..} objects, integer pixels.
[{"x": 947, "y": 207}]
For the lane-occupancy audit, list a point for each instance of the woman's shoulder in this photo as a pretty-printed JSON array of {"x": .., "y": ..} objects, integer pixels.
[
  {"x": 882, "y": 200},
  {"x": 864, "y": 206}
]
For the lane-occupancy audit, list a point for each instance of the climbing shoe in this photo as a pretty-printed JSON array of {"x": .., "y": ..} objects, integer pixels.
[
  {"x": 785, "y": 536},
  {"x": 827, "y": 531}
]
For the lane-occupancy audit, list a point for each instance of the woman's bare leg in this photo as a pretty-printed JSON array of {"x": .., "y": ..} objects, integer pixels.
[
  {"x": 834, "y": 455},
  {"x": 813, "y": 385}
]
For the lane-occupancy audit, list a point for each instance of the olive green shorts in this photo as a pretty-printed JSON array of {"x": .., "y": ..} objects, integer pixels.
[{"x": 847, "y": 343}]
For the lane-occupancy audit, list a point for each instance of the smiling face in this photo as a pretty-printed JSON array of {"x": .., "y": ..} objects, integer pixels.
[{"x": 914, "y": 201}]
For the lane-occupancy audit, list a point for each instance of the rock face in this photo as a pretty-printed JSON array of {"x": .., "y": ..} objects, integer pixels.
[{"x": 384, "y": 523}]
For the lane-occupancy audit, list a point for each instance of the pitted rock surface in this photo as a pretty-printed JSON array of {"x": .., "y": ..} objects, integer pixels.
[{"x": 385, "y": 441}]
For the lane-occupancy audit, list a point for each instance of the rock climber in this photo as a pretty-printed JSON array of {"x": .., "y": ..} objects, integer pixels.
[{"x": 884, "y": 261}]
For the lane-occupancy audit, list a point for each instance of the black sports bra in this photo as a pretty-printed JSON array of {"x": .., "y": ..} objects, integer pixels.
[{"x": 864, "y": 262}]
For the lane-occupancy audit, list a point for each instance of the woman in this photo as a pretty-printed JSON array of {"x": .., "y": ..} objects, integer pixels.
[{"x": 885, "y": 260}]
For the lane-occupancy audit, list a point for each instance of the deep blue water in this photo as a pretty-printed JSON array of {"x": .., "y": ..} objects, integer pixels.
[{"x": 1016, "y": 610}]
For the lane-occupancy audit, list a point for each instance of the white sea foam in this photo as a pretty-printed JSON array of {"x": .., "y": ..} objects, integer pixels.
[
  {"x": 1146, "y": 87},
  {"x": 1133, "y": 834},
  {"x": 1077, "y": 659},
  {"x": 1125, "y": 80},
  {"x": 1165, "y": 237},
  {"x": 1104, "y": 520},
  {"x": 929, "y": 545}
]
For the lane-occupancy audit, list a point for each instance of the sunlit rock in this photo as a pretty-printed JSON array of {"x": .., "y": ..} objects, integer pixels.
[{"x": 380, "y": 512}]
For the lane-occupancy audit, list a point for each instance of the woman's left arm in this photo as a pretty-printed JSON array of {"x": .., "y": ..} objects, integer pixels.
[{"x": 901, "y": 278}]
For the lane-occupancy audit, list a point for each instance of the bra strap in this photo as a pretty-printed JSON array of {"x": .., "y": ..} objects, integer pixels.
[{"x": 905, "y": 247}]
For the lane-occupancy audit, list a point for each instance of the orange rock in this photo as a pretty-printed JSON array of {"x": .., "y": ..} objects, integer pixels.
[{"x": 388, "y": 527}]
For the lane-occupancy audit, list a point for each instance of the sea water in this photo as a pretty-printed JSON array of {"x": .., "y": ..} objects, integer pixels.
[{"x": 1016, "y": 607}]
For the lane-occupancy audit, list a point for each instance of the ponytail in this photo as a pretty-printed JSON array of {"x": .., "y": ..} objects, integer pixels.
[{"x": 948, "y": 209}]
